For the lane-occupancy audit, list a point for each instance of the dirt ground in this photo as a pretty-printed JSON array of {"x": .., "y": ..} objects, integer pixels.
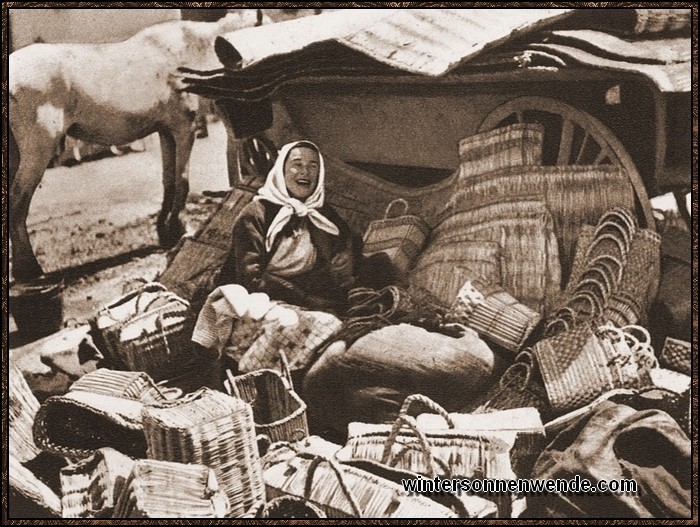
[{"x": 94, "y": 223}]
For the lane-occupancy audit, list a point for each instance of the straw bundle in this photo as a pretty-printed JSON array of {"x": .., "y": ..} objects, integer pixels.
[
  {"x": 676, "y": 355},
  {"x": 400, "y": 237},
  {"x": 160, "y": 489},
  {"x": 127, "y": 384},
  {"x": 76, "y": 424},
  {"x": 529, "y": 256},
  {"x": 299, "y": 341},
  {"x": 158, "y": 341},
  {"x": 580, "y": 364},
  {"x": 214, "y": 429},
  {"x": 343, "y": 491},
  {"x": 442, "y": 268},
  {"x": 107, "y": 324},
  {"x": 494, "y": 314},
  {"x": 23, "y": 408},
  {"x": 90, "y": 488},
  {"x": 514, "y": 145},
  {"x": 278, "y": 411},
  {"x": 574, "y": 195}
]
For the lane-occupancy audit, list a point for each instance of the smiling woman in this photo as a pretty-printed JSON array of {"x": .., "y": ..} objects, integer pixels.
[{"x": 291, "y": 245}]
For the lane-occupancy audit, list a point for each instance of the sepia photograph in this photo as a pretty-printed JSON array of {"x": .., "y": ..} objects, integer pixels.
[{"x": 377, "y": 260}]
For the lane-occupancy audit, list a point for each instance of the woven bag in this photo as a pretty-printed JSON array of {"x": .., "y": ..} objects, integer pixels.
[
  {"x": 509, "y": 146},
  {"x": 299, "y": 341},
  {"x": 23, "y": 407},
  {"x": 443, "y": 267},
  {"x": 91, "y": 487},
  {"x": 291, "y": 507},
  {"x": 676, "y": 355},
  {"x": 210, "y": 428},
  {"x": 494, "y": 314},
  {"x": 106, "y": 324},
  {"x": 343, "y": 491},
  {"x": 579, "y": 365},
  {"x": 401, "y": 237},
  {"x": 161, "y": 489},
  {"x": 158, "y": 341},
  {"x": 530, "y": 268},
  {"x": 278, "y": 411}
]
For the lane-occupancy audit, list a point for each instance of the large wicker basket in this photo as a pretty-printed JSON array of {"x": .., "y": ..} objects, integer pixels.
[{"x": 279, "y": 413}]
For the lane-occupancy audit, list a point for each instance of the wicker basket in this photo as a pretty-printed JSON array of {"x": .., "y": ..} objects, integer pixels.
[
  {"x": 90, "y": 488},
  {"x": 676, "y": 355},
  {"x": 343, "y": 491},
  {"x": 127, "y": 384},
  {"x": 494, "y": 314},
  {"x": 160, "y": 489},
  {"x": 23, "y": 408},
  {"x": 579, "y": 365},
  {"x": 279, "y": 413},
  {"x": 78, "y": 423},
  {"x": 158, "y": 342},
  {"x": 509, "y": 146},
  {"x": 213, "y": 429},
  {"x": 402, "y": 237},
  {"x": 447, "y": 452},
  {"x": 106, "y": 325}
]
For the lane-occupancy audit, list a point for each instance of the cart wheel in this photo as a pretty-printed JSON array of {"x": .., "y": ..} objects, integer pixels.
[{"x": 572, "y": 137}]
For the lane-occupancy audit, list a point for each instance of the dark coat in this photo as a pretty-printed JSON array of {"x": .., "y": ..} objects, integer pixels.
[{"x": 248, "y": 259}]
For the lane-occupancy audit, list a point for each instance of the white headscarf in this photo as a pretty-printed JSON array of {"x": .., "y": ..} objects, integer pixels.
[{"x": 275, "y": 191}]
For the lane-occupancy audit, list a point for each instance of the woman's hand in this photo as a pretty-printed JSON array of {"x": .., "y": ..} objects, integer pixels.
[{"x": 342, "y": 269}]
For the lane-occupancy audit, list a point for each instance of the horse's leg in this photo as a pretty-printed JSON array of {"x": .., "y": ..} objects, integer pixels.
[
  {"x": 35, "y": 152},
  {"x": 168, "y": 153},
  {"x": 184, "y": 140}
]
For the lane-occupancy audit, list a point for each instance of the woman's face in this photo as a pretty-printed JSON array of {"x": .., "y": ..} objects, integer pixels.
[{"x": 301, "y": 170}]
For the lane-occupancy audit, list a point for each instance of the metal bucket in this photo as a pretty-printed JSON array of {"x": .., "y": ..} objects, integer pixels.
[{"x": 37, "y": 307}]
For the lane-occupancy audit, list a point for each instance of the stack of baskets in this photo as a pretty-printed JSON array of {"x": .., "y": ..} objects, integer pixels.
[
  {"x": 210, "y": 428},
  {"x": 614, "y": 276}
]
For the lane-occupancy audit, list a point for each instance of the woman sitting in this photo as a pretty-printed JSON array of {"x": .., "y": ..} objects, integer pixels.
[{"x": 288, "y": 243}]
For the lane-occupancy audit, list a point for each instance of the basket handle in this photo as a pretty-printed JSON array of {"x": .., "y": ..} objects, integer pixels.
[
  {"x": 315, "y": 462},
  {"x": 429, "y": 403},
  {"x": 284, "y": 365},
  {"x": 392, "y": 203},
  {"x": 410, "y": 422},
  {"x": 231, "y": 385},
  {"x": 435, "y": 461}
]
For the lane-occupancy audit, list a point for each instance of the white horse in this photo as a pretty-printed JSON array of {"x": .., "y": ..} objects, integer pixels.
[{"x": 111, "y": 94}]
